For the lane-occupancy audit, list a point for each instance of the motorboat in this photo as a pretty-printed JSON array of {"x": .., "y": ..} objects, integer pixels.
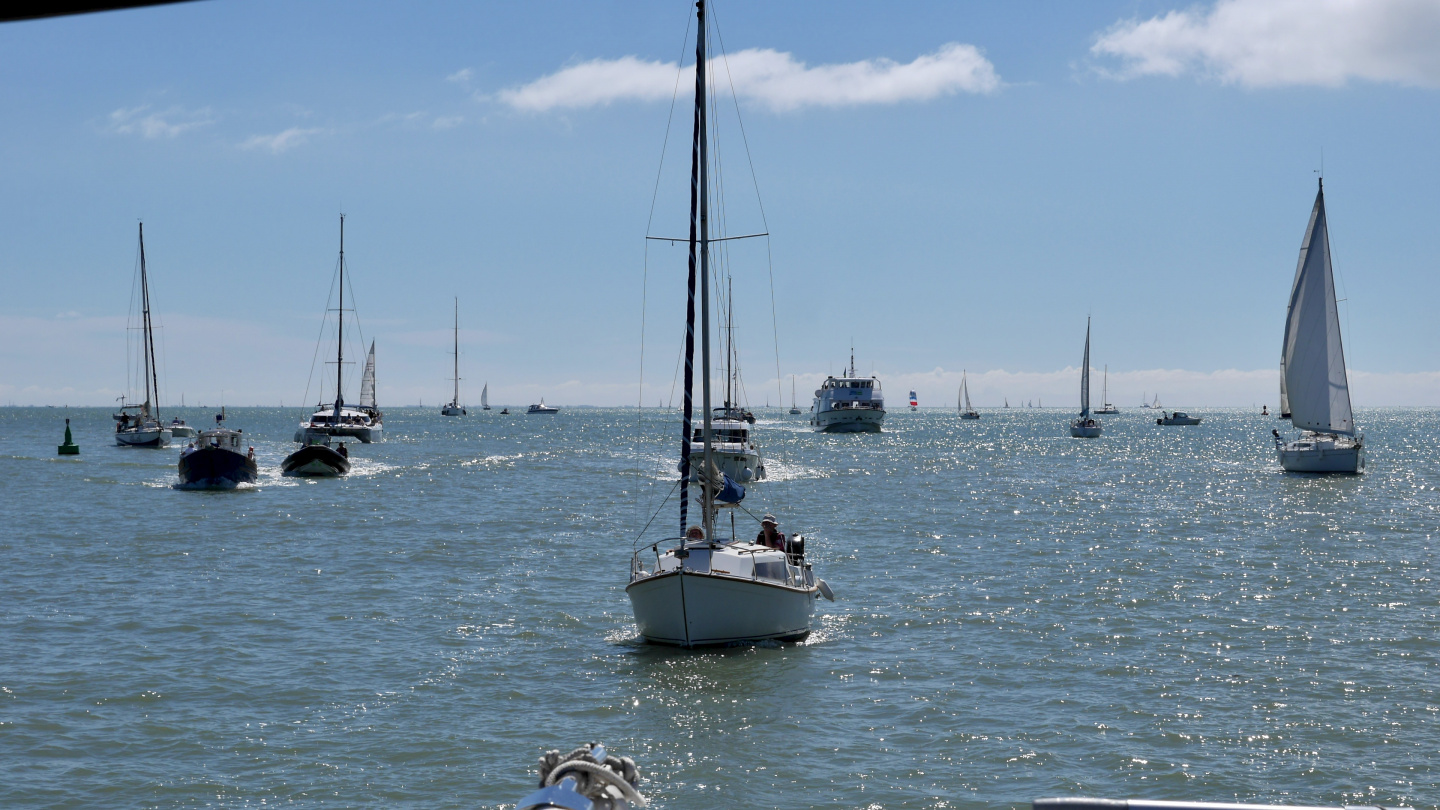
[
  {"x": 180, "y": 430},
  {"x": 317, "y": 458},
  {"x": 1177, "y": 418},
  {"x": 218, "y": 459},
  {"x": 542, "y": 408},
  {"x": 138, "y": 425},
  {"x": 967, "y": 411},
  {"x": 848, "y": 404},
  {"x": 1085, "y": 426},
  {"x": 454, "y": 408},
  {"x": 704, "y": 589},
  {"x": 337, "y": 419},
  {"x": 504, "y": 411},
  {"x": 1107, "y": 408},
  {"x": 1316, "y": 389}
]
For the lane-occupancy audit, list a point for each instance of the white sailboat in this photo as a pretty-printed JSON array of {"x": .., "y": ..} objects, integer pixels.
[
  {"x": 794, "y": 409},
  {"x": 1313, "y": 364},
  {"x": 708, "y": 590},
  {"x": 454, "y": 408},
  {"x": 1086, "y": 426},
  {"x": 1107, "y": 408},
  {"x": 485, "y": 397},
  {"x": 966, "y": 411},
  {"x": 143, "y": 428}
]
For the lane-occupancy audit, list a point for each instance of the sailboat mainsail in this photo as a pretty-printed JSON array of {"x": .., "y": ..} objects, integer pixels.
[
  {"x": 367, "y": 381},
  {"x": 1314, "y": 379},
  {"x": 1085, "y": 376},
  {"x": 485, "y": 397}
]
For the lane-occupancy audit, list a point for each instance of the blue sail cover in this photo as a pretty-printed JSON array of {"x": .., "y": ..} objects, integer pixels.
[{"x": 731, "y": 492}]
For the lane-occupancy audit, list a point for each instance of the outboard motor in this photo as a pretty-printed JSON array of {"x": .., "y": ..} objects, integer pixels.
[{"x": 795, "y": 549}]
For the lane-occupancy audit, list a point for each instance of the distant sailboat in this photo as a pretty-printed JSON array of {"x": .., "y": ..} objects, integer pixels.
[
  {"x": 485, "y": 397},
  {"x": 914, "y": 403},
  {"x": 794, "y": 409},
  {"x": 1086, "y": 426},
  {"x": 144, "y": 428},
  {"x": 1315, "y": 385},
  {"x": 1105, "y": 394},
  {"x": 454, "y": 408},
  {"x": 966, "y": 411}
]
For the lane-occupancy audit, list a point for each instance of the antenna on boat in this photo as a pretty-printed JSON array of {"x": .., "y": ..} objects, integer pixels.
[{"x": 852, "y": 357}]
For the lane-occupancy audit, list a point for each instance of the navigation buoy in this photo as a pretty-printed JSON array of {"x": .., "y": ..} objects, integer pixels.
[{"x": 69, "y": 448}]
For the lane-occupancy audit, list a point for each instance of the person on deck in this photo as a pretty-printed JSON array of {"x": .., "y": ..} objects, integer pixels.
[
  {"x": 770, "y": 534},
  {"x": 694, "y": 533}
]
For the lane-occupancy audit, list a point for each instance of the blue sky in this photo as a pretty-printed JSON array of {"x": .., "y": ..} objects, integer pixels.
[{"x": 954, "y": 185}]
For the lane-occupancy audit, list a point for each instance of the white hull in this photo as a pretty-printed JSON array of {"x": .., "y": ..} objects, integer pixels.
[
  {"x": 1322, "y": 454},
  {"x": 450, "y": 410},
  {"x": 148, "y": 437},
  {"x": 182, "y": 432},
  {"x": 363, "y": 433},
  {"x": 695, "y": 610},
  {"x": 849, "y": 420},
  {"x": 1085, "y": 431},
  {"x": 1189, "y": 420},
  {"x": 742, "y": 465}
]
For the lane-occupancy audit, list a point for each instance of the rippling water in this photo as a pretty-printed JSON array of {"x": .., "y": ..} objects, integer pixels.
[{"x": 1159, "y": 613}]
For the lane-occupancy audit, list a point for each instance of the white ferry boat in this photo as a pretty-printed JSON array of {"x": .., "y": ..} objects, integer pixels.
[{"x": 849, "y": 404}]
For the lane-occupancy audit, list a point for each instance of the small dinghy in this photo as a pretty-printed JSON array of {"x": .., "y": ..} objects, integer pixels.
[
  {"x": 317, "y": 459},
  {"x": 217, "y": 459}
]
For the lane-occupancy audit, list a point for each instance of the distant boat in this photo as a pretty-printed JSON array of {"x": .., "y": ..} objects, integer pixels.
[
  {"x": 1086, "y": 426},
  {"x": 180, "y": 430},
  {"x": 1316, "y": 386},
  {"x": 317, "y": 459},
  {"x": 1007, "y": 402},
  {"x": 1105, "y": 394},
  {"x": 963, "y": 403},
  {"x": 794, "y": 409},
  {"x": 143, "y": 429},
  {"x": 335, "y": 419},
  {"x": 1177, "y": 418},
  {"x": 850, "y": 404},
  {"x": 485, "y": 397},
  {"x": 914, "y": 403},
  {"x": 454, "y": 408},
  {"x": 542, "y": 408},
  {"x": 217, "y": 459},
  {"x": 504, "y": 411}
]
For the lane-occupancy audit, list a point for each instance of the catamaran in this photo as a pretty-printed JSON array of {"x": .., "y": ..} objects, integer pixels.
[
  {"x": 708, "y": 590},
  {"x": 335, "y": 419},
  {"x": 454, "y": 408},
  {"x": 1086, "y": 426},
  {"x": 966, "y": 411},
  {"x": 143, "y": 428},
  {"x": 1315, "y": 388}
]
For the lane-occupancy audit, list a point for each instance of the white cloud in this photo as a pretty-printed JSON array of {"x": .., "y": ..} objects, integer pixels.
[
  {"x": 167, "y": 123},
  {"x": 280, "y": 141},
  {"x": 772, "y": 78},
  {"x": 461, "y": 76},
  {"x": 1269, "y": 43},
  {"x": 447, "y": 121}
]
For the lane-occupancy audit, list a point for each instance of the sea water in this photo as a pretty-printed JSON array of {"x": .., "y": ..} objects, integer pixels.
[{"x": 1157, "y": 613}]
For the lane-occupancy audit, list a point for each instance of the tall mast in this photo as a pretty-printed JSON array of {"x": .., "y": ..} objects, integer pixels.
[
  {"x": 148, "y": 351},
  {"x": 340, "y": 332},
  {"x": 456, "y": 401},
  {"x": 852, "y": 359},
  {"x": 729, "y": 343},
  {"x": 696, "y": 171},
  {"x": 701, "y": 119}
]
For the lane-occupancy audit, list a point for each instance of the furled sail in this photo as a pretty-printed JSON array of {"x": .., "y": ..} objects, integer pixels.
[
  {"x": 1085, "y": 375},
  {"x": 1315, "y": 384},
  {"x": 367, "y": 380}
]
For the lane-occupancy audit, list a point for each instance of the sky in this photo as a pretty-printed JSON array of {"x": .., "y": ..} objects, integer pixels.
[{"x": 953, "y": 186}]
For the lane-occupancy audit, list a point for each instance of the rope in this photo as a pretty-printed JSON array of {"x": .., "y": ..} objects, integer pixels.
[{"x": 593, "y": 779}]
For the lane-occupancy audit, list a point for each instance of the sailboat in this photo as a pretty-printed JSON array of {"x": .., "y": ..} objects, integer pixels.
[
  {"x": 1312, "y": 361},
  {"x": 485, "y": 397},
  {"x": 1105, "y": 394},
  {"x": 336, "y": 419},
  {"x": 914, "y": 403},
  {"x": 454, "y": 408},
  {"x": 1086, "y": 426},
  {"x": 732, "y": 449},
  {"x": 708, "y": 590},
  {"x": 794, "y": 409},
  {"x": 966, "y": 411},
  {"x": 143, "y": 428}
]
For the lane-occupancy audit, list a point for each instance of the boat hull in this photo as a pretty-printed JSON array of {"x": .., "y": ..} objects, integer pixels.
[
  {"x": 743, "y": 466},
  {"x": 216, "y": 468},
  {"x": 1085, "y": 431},
  {"x": 701, "y": 610},
  {"x": 970, "y": 415},
  {"x": 449, "y": 411},
  {"x": 147, "y": 437},
  {"x": 182, "y": 432},
  {"x": 849, "y": 420},
  {"x": 1189, "y": 420},
  {"x": 366, "y": 434},
  {"x": 315, "y": 460},
  {"x": 1310, "y": 456}
]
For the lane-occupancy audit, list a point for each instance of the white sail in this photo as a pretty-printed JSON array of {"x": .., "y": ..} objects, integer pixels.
[
  {"x": 1284, "y": 395},
  {"x": 1314, "y": 361},
  {"x": 485, "y": 396},
  {"x": 367, "y": 380},
  {"x": 965, "y": 391},
  {"x": 1085, "y": 375}
]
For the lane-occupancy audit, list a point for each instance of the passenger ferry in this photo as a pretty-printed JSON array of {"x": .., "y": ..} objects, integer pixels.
[{"x": 848, "y": 404}]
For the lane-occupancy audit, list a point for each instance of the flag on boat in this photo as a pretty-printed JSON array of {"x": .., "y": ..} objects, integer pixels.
[{"x": 914, "y": 403}]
